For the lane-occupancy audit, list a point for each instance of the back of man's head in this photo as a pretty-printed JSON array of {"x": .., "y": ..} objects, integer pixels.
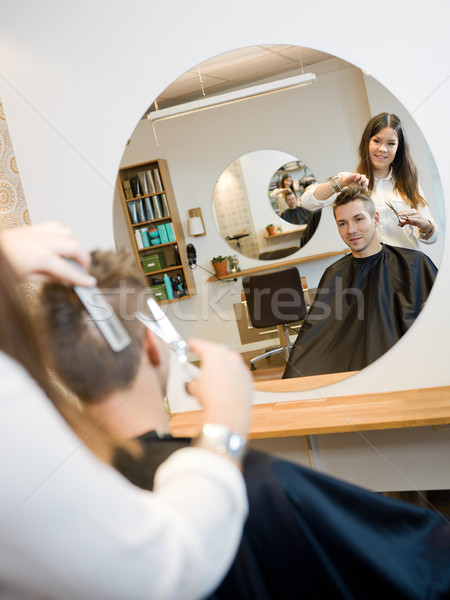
[
  {"x": 352, "y": 194},
  {"x": 78, "y": 352}
]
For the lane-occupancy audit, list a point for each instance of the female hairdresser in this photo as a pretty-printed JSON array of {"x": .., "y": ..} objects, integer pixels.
[
  {"x": 386, "y": 168},
  {"x": 286, "y": 185},
  {"x": 70, "y": 526}
]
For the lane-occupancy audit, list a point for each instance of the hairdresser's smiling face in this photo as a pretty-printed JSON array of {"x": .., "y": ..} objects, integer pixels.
[
  {"x": 382, "y": 150},
  {"x": 358, "y": 228}
]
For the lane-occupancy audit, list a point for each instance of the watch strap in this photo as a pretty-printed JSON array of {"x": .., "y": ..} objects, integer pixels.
[
  {"x": 220, "y": 439},
  {"x": 334, "y": 185}
]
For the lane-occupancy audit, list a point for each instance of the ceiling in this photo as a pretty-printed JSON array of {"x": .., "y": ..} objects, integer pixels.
[{"x": 238, "y": 68}]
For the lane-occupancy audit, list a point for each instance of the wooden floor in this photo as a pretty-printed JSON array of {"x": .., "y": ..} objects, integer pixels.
[{"x": 267, "y": 368}]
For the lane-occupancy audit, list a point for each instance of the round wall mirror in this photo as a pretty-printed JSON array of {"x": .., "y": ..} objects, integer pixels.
[
  {"x": 229, "y": 159},
  {"x": 250, "y": 207}
]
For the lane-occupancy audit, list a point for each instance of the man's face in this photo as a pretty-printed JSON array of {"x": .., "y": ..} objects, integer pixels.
[
  {"x": 358, "y": 229},
  {"x": 291, "y": 200}
]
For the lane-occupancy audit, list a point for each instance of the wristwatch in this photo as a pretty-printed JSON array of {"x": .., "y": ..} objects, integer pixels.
[
  {"x": 220, "y": 439},
  {"x": 334, "y": 185}
]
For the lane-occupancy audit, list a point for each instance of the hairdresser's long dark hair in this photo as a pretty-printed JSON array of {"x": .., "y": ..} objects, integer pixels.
[
  {"x": 19, "y": 340},
  {"x": 403, "y": 167},
  {"x": 283, "y": 179}
]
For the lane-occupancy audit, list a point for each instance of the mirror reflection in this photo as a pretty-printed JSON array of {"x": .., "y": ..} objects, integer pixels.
[
  {"x": 256, "y": 228},
  {"x": 291, "y": 178},
  {"x": 319, "y": 127}
]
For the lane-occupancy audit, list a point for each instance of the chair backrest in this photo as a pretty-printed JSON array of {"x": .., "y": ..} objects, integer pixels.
[{"x": 274, "y": 298}]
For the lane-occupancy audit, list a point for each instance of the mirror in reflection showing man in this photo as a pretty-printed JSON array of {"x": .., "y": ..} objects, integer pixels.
[
  {"x": 239, "y": 206},
  {"x": 294, "y": 214}
]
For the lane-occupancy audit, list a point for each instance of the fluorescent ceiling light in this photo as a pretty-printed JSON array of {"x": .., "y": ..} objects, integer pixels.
[{"x": 236, "y": 96}]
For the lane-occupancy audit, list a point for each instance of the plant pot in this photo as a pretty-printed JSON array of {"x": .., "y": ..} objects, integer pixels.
[
  {"x": 270, "y": 230},
  {"x": 221, "y": 268}
]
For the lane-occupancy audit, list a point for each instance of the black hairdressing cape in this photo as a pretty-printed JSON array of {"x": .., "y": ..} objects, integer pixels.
[
  {"x": 362, "y": 307},
  {"x": 309, "y": 535}
]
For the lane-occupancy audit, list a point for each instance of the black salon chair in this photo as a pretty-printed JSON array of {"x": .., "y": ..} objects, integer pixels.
[{"x": 275, "y": 299}]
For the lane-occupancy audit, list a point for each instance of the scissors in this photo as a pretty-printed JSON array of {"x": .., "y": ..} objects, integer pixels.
[
  {"x": 163, "y": 328},
  {"x": 400, "y": 220}
]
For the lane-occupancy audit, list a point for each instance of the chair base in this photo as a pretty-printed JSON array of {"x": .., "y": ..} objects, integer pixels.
[{"x": 284, "y": 349}]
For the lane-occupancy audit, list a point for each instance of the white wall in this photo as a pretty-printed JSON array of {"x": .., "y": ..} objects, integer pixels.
[{"x": 76, "y": 76}]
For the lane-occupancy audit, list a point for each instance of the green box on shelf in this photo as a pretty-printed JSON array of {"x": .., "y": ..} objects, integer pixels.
[
  {"x": 153, "y": 262},
  {"x": 159, "y": 292}
]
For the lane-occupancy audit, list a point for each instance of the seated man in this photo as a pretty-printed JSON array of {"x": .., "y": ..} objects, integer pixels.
[
  {"x": 308, "y": 535},
  {"x": 294, "y": 214},
  {"x": 365, "y": 301}
]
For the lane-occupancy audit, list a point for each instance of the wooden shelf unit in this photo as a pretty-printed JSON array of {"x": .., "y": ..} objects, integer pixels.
[{"x": 164, "y": 196}]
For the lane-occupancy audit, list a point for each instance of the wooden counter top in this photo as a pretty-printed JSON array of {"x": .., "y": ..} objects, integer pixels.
[
  {"x": 274, "y": 265},
  {"x": 387, "y": 410}
]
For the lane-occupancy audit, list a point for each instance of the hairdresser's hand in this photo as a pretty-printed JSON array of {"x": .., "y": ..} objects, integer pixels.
[
  {"x": 411, "y": 216},
  {"x": 224, "y": 387},
  {"x": 353, "y": 180},
  {"x": 38, "y": 253}
]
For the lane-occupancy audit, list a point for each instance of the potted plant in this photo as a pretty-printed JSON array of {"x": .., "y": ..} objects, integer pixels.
[
  {"x": 220, "y": 264},
  {"x": 233, "y": 262},
  {"x": 270, "y": 229}
]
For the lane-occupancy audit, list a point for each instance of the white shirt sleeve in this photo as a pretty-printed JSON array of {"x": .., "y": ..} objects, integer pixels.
[
  {"x": 309, "y": 201},
  {"x": 72, "y": 527}
]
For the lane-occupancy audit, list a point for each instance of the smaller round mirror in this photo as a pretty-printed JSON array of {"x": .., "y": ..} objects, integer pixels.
[{"x": 256, "y": 205}]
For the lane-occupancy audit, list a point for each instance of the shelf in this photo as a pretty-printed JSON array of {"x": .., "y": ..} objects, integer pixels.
[
  {"x": 176, "y": 299},
  {"x": 150, "y": 222},
  {"x": 279, "y": 265},
  {"x": 156, "y": 246},
  {"x": 145, "y": 196},
  {"x": 164, "y": 270}
]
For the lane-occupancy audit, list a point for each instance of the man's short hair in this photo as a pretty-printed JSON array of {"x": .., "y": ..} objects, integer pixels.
[
  {"x": 287, "y": 194},
  {"x": 78, "y": 352},
  {"x": 352, "y": 194}
]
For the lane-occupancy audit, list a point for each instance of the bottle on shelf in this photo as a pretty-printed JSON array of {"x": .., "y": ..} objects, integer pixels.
[
  {"x": 127, "y": 189},
  {"x": 149, "y": 209},
  {"x": 168, "y": 285},
  {"x": 139, "y": 242},
  {"x": 145, "y": 237},
  {"x": 150, "y": 182},
  {"x": 177, "y": 255},
  {"x": 131, "y": 205},
  {"x": 157, "y": 179},
  {"x": 157, "y": 207},
  {"x": 136, "y": 185},
  {"x": 141, "y": 210},
  {"x": 181, "y": 286}
]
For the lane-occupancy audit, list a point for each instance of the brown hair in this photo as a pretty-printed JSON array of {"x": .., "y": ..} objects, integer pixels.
[
  {"x": 283, "y": 179},
  {"x": 403, "y": 168},
  {"x": 352, "y": 194},
  {"x": 19, "y": 340},
  {"x": 77, "y": 350}
]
